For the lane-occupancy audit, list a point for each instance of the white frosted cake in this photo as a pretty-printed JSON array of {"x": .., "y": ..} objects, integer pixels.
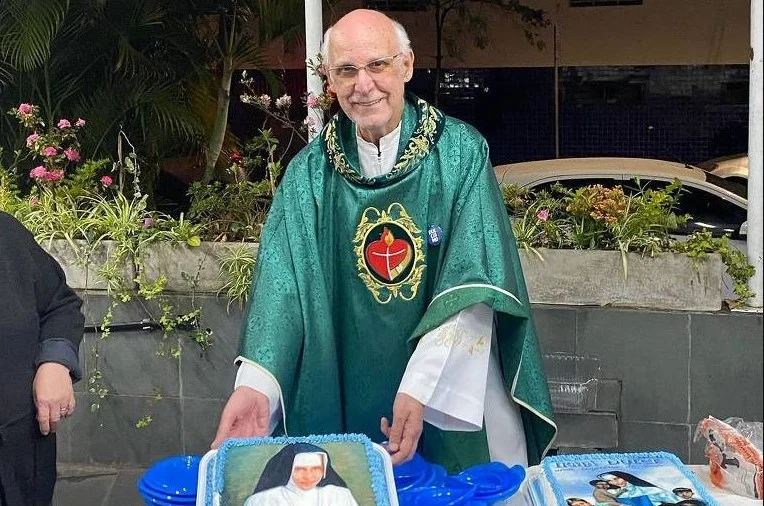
[
  {"x": 338, "y": 469},
  {"x": 614, "y": 479}
]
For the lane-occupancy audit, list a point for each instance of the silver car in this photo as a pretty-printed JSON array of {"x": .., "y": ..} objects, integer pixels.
[{"x": 715, "y": 204}]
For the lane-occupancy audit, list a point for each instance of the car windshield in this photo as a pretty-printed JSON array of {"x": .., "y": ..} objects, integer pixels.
[{"x": 731, "y": 186}]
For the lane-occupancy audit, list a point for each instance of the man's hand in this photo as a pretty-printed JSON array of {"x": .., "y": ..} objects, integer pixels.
[
  {"x": 403, "y": 436},
  {"x": 246, "y": 414},
  {"x": 53, "y": 395}
]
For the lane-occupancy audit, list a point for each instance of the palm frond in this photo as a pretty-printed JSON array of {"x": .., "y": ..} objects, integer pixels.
[{"x": 28, "y": 27}]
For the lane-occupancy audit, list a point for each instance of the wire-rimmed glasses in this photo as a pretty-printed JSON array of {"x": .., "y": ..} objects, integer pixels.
[{"x": 347, "y": 74}]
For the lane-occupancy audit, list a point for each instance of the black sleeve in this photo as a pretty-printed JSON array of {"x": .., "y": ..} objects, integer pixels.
[{"x": 61, "y": 321}]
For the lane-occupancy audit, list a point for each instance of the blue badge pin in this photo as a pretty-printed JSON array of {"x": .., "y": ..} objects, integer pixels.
[{"x": 434, "y": 235}]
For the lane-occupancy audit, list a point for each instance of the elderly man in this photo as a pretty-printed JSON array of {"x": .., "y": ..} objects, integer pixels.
[
  {"x": 388, "y": 276},
  {"x": 40, "y": 331}
]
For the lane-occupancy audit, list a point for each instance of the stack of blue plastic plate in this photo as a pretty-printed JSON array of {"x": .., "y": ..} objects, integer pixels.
[
  {"x": 420, "y": 483},
  {"x": 171, "y": 481},
  {"x": 416, "y": 473},
  {"x": 494, "y": 482}
]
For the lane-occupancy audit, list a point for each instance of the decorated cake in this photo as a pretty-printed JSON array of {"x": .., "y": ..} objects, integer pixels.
[
  {"x": 341, "y": 470},
  {"x": 613, "y": 479}
]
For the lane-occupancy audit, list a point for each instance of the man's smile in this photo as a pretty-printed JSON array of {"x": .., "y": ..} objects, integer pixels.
[{"x": 369, "y": 103}]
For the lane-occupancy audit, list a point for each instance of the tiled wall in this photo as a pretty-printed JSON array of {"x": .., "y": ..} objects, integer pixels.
[
  {"x": 662, "y": 372},
  {"x": 674, "y": 369},
  {"x": 678, "y": 113}
]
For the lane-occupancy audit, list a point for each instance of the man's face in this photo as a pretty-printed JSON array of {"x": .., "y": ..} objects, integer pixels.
[
  {"x": 373, "y": 100},
  {"x": 580, "y": 502},
  {"x": 685, "y": 494},
  {"x": 601, "y": 484},
  {"x": 307, "y": 477}
]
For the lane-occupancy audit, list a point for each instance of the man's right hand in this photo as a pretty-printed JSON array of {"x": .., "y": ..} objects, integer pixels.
[{"x": 246, "y": 414}]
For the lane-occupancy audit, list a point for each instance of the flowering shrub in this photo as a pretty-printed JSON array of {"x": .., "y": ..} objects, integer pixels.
[
  {"x": 595, "y": 217},
  {"x": 236, "y": 210},
  {"x": 56, "y": 146},
  {"x": 315, "y": 105}
]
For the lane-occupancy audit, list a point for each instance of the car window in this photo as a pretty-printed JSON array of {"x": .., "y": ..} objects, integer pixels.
[
  {"x": 708, "y": 211},
  {"x": 732, "y": 184}
]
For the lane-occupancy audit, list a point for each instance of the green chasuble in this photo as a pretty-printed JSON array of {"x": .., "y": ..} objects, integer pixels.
[{"x": 346, "y": 281}]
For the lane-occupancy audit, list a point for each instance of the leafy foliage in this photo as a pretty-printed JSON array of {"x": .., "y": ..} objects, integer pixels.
[{"x": 595, "y": 217}]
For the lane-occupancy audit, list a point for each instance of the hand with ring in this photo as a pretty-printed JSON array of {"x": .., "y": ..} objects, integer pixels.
[{"x": 53, "y": 395}]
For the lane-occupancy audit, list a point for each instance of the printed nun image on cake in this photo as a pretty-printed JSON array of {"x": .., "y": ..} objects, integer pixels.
[{"x": 300, "y": 474}]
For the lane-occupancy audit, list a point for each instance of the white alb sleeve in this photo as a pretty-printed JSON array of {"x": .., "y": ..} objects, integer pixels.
[
  {"x": 449, "y": 368},
  {"x": 256, "y": 377}
]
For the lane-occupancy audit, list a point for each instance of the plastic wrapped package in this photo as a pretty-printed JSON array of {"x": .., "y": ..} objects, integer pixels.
[{"x": 734, "y": 451}]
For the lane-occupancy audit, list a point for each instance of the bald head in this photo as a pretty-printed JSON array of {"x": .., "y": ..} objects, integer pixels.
[
  {"x": 368, "y": 61},
  {"x": 364, "y": 24}
]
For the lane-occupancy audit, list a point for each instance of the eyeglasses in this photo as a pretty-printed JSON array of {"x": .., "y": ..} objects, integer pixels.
[{"x": 346, "y": 74}]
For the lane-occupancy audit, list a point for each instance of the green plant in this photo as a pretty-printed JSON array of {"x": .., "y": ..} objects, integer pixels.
[
  {"x": 594, "y": 217},
  {"x": 700, "y": 244},
  {"x": 9, "y": 189},
  {"x": 230, "y": 211},
  {"x": 66, "y": 202},
  {"x": 608, "y": 218},
  {"x": 237, "y": 268},
  {"x": 536, "y": 221}
]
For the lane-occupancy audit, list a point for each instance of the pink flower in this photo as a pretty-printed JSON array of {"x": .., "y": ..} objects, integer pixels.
[
  {"x": 25, "y": 109},
  {"x": 73, "y": 155},
  {"x": 309, "y": 121},
  {"x": 32, "y": 139},
  {"x": 64, "y": 123},
  {"x": 106, "y": 180},
  {"x": 50, "y": 151},
  {"x": 79, "y": 123},
  {"x": 54, "y": 175},
  {"x": 38, "y": 172},
  {"x": 33, "y": 201},
  {"x": 148, "y": 222},
  {"x": 543, "y": 215},
  {"x": 311, "y": 101}
]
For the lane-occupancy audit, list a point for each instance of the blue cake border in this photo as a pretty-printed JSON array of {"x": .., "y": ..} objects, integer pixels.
[
  {"x": 594, "y": 457},
  {"x": 376, "y": 462}
]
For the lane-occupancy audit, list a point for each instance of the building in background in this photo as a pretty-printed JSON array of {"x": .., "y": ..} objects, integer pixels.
[{"x": 663, "y": 79}]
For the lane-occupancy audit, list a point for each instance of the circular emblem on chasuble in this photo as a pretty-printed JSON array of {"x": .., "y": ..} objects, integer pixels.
[{"x": 388, "y": 247}]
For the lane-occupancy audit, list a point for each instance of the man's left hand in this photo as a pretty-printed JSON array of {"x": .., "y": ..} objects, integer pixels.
[
  {"x": 53, "y": 395},
  {"x": 403, "y": 436}
]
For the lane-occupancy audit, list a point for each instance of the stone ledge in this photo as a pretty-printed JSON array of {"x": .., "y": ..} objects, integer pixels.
[{"x": 596, "y": 278}]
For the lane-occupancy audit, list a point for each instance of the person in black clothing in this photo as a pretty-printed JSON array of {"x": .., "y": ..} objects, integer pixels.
[{"x": 41, "y": 328}]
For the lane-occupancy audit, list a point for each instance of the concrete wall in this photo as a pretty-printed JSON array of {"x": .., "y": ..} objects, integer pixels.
[
  {"x": 659, "y": 32},
  {"x": 662, "y": 372}
]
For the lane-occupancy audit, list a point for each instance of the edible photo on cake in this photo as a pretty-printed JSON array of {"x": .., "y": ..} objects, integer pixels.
[
  {"x": 298, "y": 473},
  {"x": 647, "y": 479}
]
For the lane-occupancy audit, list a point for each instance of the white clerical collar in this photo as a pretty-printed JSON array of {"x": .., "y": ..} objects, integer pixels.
[{"x": 378, "y": 161}]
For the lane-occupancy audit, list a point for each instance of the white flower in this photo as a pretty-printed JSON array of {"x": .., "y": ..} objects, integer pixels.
[{"x": 283, "y": 102}]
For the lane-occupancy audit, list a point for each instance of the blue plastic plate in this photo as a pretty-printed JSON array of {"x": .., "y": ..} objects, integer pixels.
[
  {"x": 494, "y": 481},
  {"x": 175, "y": 476},
  {"x": 455, "y": 493},
  {"x": 154, "y": 497}
]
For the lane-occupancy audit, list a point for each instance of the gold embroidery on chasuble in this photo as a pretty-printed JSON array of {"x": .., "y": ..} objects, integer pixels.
[{"x": 389, "y": 250}]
